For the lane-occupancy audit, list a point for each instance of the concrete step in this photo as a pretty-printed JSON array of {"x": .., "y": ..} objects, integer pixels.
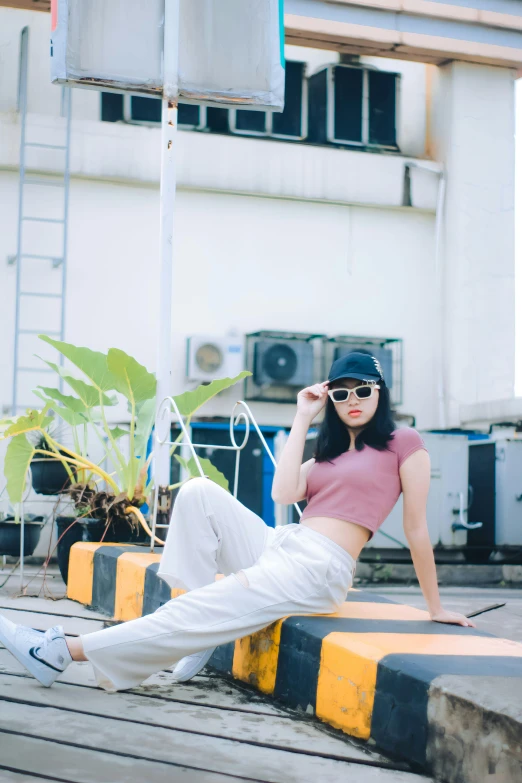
[{"x": 377, "y": 670}]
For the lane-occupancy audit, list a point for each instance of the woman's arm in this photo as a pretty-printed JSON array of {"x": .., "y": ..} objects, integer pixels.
[
  {"x": 415, "y": 479},
  {"x": 289, "y": 484}
]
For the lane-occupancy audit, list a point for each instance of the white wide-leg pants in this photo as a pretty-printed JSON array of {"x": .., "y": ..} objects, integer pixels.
[{"x": 270, "y": 574}]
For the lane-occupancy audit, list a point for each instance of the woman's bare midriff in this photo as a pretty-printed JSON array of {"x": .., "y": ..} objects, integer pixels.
[{"x": 348, "y": 535}]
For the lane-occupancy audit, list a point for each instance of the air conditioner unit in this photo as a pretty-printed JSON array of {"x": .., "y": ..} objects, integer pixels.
[
  {"x": 210, "y": 357},
  {"x": 281, "y": 363},
  {"x": 348, "y": 104},
  {"x": 292, "y": 123}
]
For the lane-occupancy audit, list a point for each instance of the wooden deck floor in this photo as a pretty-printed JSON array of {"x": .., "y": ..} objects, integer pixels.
[{"x": 209, "y": 730}]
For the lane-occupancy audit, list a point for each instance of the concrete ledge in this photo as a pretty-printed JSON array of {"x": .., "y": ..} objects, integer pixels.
[
  {"x": 458, "y": 574},
  {"x": 377, "y": 670}
]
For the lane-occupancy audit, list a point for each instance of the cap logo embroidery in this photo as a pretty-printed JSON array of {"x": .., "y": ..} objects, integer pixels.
[{"x": 378, "y": 366}]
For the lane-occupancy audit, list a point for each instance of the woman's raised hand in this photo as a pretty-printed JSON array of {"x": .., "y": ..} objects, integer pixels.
[{"x": 311, "y": 401}]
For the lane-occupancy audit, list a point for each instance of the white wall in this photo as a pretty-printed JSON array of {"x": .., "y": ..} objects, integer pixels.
[
  {"x": 518, "y": 238},
  {"x": 130, "y": 153},
  {"x": 249, "y": 263},
  {"x": 473, "y": 135}
]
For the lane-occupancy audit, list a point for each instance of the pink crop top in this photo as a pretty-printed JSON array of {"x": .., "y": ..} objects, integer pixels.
[{"x": 361, "y": 486}]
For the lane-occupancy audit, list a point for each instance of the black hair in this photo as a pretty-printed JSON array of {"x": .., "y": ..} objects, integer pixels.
[{"x": 334, "y": 438}]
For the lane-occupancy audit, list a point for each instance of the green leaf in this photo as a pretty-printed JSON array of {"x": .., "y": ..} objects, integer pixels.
[
  {"x": 190, "y": 401},
  {"x": 18, "y": 456},
  {"x": 89, "y": 395},
  {"x": 145, "y": 415},
  {"x": 133, "y": 380},
  {"x": 70, "y": 417},
  {"x": 209, "y": 470},
  {"x": 32, "y": 420},
  {"x": 92, "y": 363},
  {"x": 72, "y": 403},
  {"x": 139, "y": 387},
  {"x": 118, "y": 432},
  {"x": 5, "y": 424}
]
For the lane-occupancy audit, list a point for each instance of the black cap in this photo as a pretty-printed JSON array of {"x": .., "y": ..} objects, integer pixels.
[{"x": 358, "y": 365}]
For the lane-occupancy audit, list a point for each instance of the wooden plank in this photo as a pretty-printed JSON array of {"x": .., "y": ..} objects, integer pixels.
[
  {"x": 170, "y": 746},
  {"x": 78, "y": 765},
  {"x": 63, "y": 606},
  {"x": 276, "y": 732},
  {"x": 41, "y": 621},
  {"x": 9, "y": 776},
  {"x": 29, "y": 5},
  {"x": 211, "y": 691}
]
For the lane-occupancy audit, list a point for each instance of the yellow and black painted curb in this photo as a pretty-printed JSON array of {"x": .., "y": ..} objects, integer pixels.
[{"x": 367, "y": 670}]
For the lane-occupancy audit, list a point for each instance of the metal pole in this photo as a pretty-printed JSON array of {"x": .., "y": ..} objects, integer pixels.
[
  {"x": 22, "y": 106},
  {"x": 67, "y": 96},
  {"x": 22, "y": 544},
  {"x": 169, "y": 120}
]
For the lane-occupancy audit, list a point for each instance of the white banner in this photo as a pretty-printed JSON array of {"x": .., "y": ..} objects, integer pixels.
[{"x": 230, "y": 51}]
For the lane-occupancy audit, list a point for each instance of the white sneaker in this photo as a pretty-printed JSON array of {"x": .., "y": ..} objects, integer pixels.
[
  {"x": 188, "y": 667},
  {"x": 44, "y": 655}
]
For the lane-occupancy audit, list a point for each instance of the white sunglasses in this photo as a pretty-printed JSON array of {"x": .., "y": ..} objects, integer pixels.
[{"x": 361, "y": 392}]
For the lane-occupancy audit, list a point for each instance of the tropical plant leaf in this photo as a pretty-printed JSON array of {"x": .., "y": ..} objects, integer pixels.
[
  {"x": 145, "y": 415},
  {"x": 32, "y": 420},
  {"x": 18, "y": 456},
  {"x": 118, "y": 432},
  {"x": 5, "y": 424},
  {"x": 89, "y": 395},
  {"x": 133, "y": 380},
  {"x": 209, "y": 470},
  {"x": 70, "y": 417},
  {"x": 190, "y": 401},
  {"x": 74, "y": 404},
  {"x": 93, "y": 364}
]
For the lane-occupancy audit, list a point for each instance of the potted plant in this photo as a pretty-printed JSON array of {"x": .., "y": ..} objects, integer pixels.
[
  {"x": 108, "y": 502},
  {"x": 48, "y": 473},
  {"x": 10, "y": 534}
]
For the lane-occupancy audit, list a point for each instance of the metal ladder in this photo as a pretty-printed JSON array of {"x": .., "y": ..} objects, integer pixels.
[{"x": 24, "y": 220}]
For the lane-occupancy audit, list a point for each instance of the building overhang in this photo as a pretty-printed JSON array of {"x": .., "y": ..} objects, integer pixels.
[{"x": 423, "y": 30}]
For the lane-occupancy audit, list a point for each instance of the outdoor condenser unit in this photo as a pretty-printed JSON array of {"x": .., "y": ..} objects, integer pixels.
[
  {"x": 348, "y": 104},
  {"x": 210, "y": 357},
  {"x": 447, "y": 499},
  {"x": 281, "y": 363},
  {"x": 508, "y": 497},
  {"x": 497, "y": 494},
  {"x": 289, "y": 124},
  {"x": 475, "y": 498}
]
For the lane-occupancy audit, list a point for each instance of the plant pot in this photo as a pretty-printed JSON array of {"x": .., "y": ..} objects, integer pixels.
[
  {"x": 49, "y": 476},
  {"x": 92, "y": 530},
  {"x": 66, "y": 540},
  {"x": 10, "y": 536}
]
